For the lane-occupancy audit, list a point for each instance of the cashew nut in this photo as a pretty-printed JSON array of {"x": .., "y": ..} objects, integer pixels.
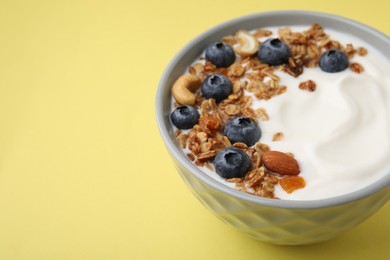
[
  {"x": 247, "y": 44},
  {"x": 184, "y": 88}
]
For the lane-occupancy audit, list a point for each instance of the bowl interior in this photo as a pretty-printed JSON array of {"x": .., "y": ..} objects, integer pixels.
[{"x": 194, "y": 48}]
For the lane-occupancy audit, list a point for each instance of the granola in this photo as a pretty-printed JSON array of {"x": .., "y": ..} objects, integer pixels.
[{"x": 252, "y": 79}]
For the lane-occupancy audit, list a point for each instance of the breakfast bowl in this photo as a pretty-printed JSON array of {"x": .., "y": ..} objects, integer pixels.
[{"x": 272, "y": 220}]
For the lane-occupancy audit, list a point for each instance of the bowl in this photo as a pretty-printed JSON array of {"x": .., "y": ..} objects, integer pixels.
[{"x": 271, "y": 220}]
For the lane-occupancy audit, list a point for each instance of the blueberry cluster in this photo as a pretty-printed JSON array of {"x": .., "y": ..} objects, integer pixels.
[{"x": 233, "y": 162}]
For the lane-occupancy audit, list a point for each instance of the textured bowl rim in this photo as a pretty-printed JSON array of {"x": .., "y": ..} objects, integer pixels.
[{"x": 197, "y": 173}]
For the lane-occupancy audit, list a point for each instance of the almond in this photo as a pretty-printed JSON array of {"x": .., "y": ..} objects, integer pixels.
[{"x": 280, "y": 163}]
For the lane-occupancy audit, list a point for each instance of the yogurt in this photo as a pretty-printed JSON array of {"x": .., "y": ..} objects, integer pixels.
[{"x": 339, "y": 133}]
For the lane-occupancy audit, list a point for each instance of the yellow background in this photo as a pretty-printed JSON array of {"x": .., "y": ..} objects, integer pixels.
[{"x": 84, "y": 173}]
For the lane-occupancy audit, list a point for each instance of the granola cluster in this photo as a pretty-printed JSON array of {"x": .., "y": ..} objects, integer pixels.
[{"x": 253, "y": 79}]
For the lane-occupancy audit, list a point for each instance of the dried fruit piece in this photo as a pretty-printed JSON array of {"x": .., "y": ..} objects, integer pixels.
[
  {"x": 277, "y": 136},
  {"x": 362, "y": 51},
  {"x": 209, "y": 123},
  {"x": 280, "y": 163},
  {"x": 308, "y": 85},
  {"x": 356, "y": 67},
  {"x": 292, "y": 183}
]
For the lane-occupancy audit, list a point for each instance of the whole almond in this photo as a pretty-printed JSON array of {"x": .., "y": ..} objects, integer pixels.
[{"x": 280, "y": 163}]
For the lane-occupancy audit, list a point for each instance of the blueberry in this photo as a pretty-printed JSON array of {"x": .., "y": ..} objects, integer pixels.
[
  {"x": 242, "y": 129},
  {"x": 220, "y": 54},
  {"x": 216, "y": 86},
  {"x": 274, "y": 52},
  {"x": 232, "y": 162},
  {"x": 333, "y": 60},
  {"x": 185, "y": 117}
]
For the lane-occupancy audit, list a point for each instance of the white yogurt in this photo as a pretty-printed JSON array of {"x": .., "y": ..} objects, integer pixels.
[{"x": 340, "y": 133}]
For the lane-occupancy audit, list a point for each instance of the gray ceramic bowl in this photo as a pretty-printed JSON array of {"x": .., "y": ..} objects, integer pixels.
[{"x": 270, "y": 220}]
